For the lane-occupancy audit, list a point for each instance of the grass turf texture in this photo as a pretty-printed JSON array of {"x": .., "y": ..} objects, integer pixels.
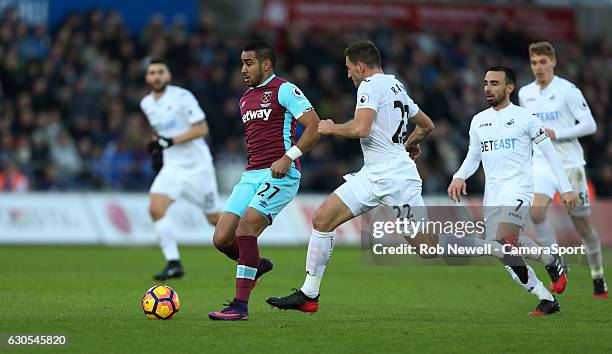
[{"x": 93, "y": 295}]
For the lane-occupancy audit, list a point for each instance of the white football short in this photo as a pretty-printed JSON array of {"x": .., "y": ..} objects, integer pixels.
[
  {"x": 545, "y": 182},
  {"x": 513, "y": 210},
  {"x": 196, "y": 186},
  {"x": 362, "y": 193}
]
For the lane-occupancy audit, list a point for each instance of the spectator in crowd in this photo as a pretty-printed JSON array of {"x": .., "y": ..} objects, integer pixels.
[
  {"x": 69, "y": 96},
  {"x": 11, "y": 179}
]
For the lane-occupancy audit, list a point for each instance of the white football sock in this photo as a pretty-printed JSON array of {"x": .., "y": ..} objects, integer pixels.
[
  {"x": 546, "y": 233},
  {"x": 165, "y": 234},
  {"x": 539, "y": 256},
  {"x": 320, "y": 249},
  {"x": 592, "y": 246},
  {"x": 534, "y": 285}
]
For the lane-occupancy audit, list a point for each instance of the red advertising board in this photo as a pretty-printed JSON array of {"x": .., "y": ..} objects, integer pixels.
[{"x": 538, "y": 22}]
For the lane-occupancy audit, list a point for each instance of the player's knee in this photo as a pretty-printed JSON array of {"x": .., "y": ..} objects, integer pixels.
[
  {"x": 157, "y": 211},
  {"x": 538, "y": 216},
  {"x": 213, "y": 219},
  {"x": 322, "y": 221},
  {"x": 251, "y": 225},
  {"x": 221, "y": 242}
]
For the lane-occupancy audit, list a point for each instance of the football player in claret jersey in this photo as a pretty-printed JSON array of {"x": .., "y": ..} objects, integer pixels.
[
  {"x": 188, "y": 173},
  {"x": 270, "y": 109},
  {"x": 566, "y": 117},
  {"x": 502, "y": 137}
]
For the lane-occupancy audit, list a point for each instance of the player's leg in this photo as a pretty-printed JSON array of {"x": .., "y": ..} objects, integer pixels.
[
  {"x": 212, "y": 218},
  {"x": 166, "y": 188},
  {"x": 544, "y": 229},
  {"x": 164, "y": 229},
  {"x": 592, "y": 245},
  {"x": 328, "y": 216},
  {"x": 224, "y": 237},
  {"x": 270, "y": 198},
  {"x": 556, "y": 267},
  {"x": 523, "y": 274},
  {"x": 351, "y": 199},
  {"x": 580, "y": 216}
]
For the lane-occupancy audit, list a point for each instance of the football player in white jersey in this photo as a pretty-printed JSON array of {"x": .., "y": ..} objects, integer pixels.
[
  {"x": 389, "y": 176},
  {"x": 181, "y": 157},
  {"x": 566, "y": 117},
  {"x": 502, "y": 137}
]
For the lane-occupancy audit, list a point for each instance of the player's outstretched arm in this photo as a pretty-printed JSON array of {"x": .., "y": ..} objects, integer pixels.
[
  {"x": 358, "y": 127},
  {"x": 423, "y": 128},
  {"x": 567, "y": 194},
  {"x": 585, "y": 123},
  {"x": 310, "y": 136}
]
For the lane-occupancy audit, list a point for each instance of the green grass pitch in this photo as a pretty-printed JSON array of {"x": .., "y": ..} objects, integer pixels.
[{"x": 93, "y": 294}]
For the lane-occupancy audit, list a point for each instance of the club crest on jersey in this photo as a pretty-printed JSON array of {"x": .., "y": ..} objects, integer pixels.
[
  {"x": 363, "y": 99},
  {"x": 296, "y": 92},
  {"x": 509, "y": 123},
  {"x": 265, "y": 98},
  {"x": 256, "y": 114}
]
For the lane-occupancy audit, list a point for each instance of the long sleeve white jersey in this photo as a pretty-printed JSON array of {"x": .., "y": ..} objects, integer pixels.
[
  {"x": 561, "y": 107},
  {"x": 503, "y": 140},
  {"x": 172, "y": 115}
]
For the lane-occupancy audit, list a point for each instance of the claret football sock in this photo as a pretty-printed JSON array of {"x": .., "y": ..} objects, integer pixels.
[{"x": 247, "y": 266}]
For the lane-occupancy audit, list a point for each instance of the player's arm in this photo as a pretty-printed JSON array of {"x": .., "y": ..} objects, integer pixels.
[
  {"x": 586, "y": 125},
  {"x": 290, "y": 97},
  {"x": 467, "y": 169},
  {"x": 358, "y": 127},
  {"x": 197, "y": 130},
  {"x": 157, "y": 158},
  {"x": 310, "y": 120},
  {"x": 554, "y": 161},
  {"x": 423, "y": 128}
]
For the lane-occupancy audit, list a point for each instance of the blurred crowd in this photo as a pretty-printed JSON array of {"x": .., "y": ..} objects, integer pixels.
[{"x": 70, "y": 120}]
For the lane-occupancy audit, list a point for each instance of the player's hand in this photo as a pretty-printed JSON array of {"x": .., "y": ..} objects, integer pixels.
[
  {"x": 551, "y": 133},
  {"x": 569, "y": 199},
  {"x": 326, "y": 126},
  {"x": 157, "y": 157},
  {"x": 414, "y": 151},
  {"x": 456, "y": 188},
  {"x": 280, "y": 167}
]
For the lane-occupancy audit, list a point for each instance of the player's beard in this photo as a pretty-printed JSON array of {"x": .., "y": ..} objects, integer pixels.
[
  {"x": 162, "y": 88},
  {"x": 495, "y": 100},
  {"x": 255, "y": 79}
]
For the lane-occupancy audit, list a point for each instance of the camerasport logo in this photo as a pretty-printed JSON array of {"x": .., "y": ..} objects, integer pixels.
[{"x": 119, "y": 218}]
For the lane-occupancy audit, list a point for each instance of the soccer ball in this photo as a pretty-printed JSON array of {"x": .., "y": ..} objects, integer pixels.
[{"x": 160, "y": 302}]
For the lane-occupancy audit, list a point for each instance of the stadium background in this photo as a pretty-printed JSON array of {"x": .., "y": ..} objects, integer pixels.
[
  {"x": 74, "y": 170},
  {"x": 72, "y": 78}
]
